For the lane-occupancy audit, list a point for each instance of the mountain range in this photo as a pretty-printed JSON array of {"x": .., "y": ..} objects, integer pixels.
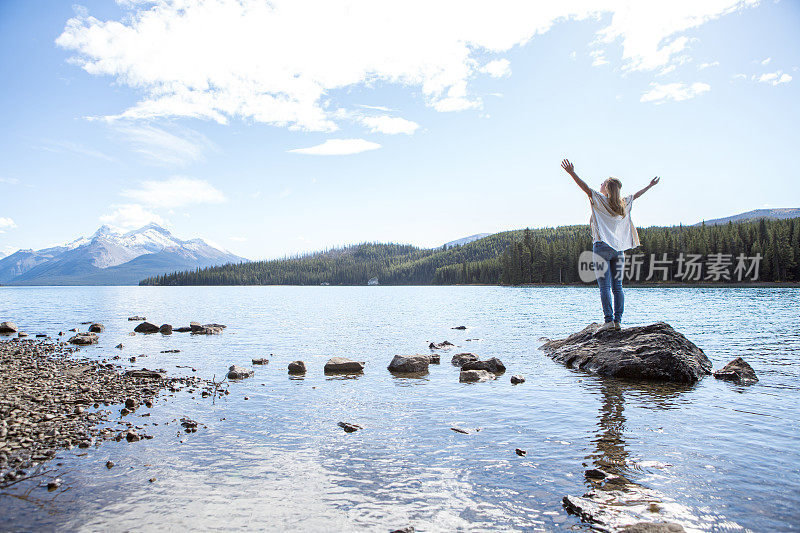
[
  {"x": 771, "y": 214},
  {"x": 111, "y": 258}
]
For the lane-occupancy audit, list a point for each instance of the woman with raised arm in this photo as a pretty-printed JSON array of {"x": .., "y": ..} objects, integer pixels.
[{"x": 612, "y": 234}]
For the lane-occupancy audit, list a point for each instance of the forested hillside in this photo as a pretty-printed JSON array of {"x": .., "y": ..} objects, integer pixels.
[{"x": 546, "y": 255}]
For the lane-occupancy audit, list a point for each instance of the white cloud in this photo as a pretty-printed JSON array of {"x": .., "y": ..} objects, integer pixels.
[
  {"x": 660, "y": 93},
  {"x": 162, "y": 147},
  {"x": 498, "y": 68},
  {"x": 389, "y": 125},
  {"x": 766, "y": 61},
  {"x": 703, "y": 66},
  {"x": 599, "y": 58},
  {"x": 69, "y": 146},
  {"x": 285, "y": 193},
  {"x": 176, "y": 191},
  {"x": 238, "y": 239},
  {"x": 6, "y": 223},
  {"x": 376, "y": 107},
  {"x": 128, "y": 216},
  {"x": 9, "y": 181},
  {"x": 280, "y": 62},
  {"x": 338, "y": 147},
  {"x": 773, "y": 78}
]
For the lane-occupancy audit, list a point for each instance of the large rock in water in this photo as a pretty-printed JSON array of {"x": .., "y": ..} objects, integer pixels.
[
  {"x": 409, "y": 364},
  {"x": 655, "y": 352},
  {"x": 493, "y": 365},
  {"x": 8, "y": 327},
  {"x": 737, "y": 371},
  {"x": 342, "y": 365},
  {"x": 84, "y": 339},
  {"x": 238, "y": 372},
  {"x": 146, "y": 327}
]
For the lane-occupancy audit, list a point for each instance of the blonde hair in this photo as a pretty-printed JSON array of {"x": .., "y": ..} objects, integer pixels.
[{"x": 614, "y": 188}]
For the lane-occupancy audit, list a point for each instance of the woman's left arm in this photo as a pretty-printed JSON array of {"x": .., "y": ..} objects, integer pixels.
[{"x": 653, "y": 183}]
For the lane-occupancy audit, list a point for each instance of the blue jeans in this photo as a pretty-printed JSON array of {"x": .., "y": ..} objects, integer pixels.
[{"x": 610, "y": 282}]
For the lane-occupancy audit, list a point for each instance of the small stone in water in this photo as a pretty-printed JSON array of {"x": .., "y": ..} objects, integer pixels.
[
  {"x": 53, "y": 485},
  {"x": 109, "y": 464},
  {"x": 521, "y": 453}
]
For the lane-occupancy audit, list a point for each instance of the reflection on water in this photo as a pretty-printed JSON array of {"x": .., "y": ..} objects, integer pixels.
[{"x": 278, "y": 461}]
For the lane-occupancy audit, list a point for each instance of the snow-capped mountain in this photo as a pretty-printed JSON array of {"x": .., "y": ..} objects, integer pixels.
[{"x": 109, "y": 257}]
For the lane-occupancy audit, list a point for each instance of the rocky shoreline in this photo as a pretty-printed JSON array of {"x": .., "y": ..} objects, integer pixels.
[{"x": 51, "y": 400}]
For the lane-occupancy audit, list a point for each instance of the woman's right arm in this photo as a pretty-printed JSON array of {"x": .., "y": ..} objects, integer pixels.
[{"x": 570, "y": 168}]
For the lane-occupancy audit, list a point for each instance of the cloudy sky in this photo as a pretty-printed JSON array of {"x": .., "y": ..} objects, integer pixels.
[{"x": 272, "y": 129}]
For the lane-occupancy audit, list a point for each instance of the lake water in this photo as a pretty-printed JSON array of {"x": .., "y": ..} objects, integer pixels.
[{"x": 278, "y": 461}]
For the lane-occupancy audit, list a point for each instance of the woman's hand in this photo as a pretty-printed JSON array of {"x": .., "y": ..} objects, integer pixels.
[
  {"x": 654, "y": 181},
  {"x": 569, "y": 167}
]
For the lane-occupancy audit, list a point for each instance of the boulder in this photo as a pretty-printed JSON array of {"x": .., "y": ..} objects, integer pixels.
[
  {"x": 342, "y": 365},
  {"x": 493, "y": 365},
  {"x": 136, "y": 318},
  {"x": 260, "y": 361},
  {"x": 8, "y": 327},
  {"x": 444, "y": 345},
  {"x": 84, "y": 339},
  {"x": 737, "y": 371},
  {"x": 460, "y": 358},
  {"x": 515, "y": 380},
  {"x": 146, "y": 327},
  {"x": 96, "y": 328},
  {"x": 238, "y": 372},
  {"x": 472, "y": 376},
  {"x": 297, "y": 367},
  {"x": 655, "y": 352},
  {"x": 182, "y": 329},
  {"x": 409, "y": 364},
  {"x": 208, "y": 329},
  {"x": 165, "y": 329}
]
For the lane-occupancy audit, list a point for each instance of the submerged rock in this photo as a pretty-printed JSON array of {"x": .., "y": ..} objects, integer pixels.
[
  {"x": 208, "y": 329},
  {"x": 297, "y": 367},
  {"x": 444, "y": 345},
  {"x": 655, "y": 352},
  {"x": 182, "y": 329},
  {"x": 460, "y": 358},
  {"x": 459, "y": 327},
  {"x": 493, "y": 365},
  {"x": 342, "y": 365},
  {"x": 146, "y": 327},
  {"x": 97, "y": 328},
  {"x": 260, "y": 361},
  {"x": 473, "y": 376},
  {"x": 84, "y": 339},
  {"x": 136, "y": 318},
  {"x": 8, "y": 327},
  {"x": 433, "y": 359},
  {"x": 349, "y": 428},
  {"x": 737, "y": 371},
  {"x": 409, "y": 364},
  {"x": 238, "y": 372},
  {"x": 517, "y": 379}
]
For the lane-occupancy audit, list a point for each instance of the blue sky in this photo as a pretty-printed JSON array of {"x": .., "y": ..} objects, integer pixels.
[{"x": 272, "y": 131}]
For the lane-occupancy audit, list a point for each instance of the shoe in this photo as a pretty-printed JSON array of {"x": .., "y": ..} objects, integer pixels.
[
  {"x": 617, "y": 326},
  {"x": 605, "y": 327}
]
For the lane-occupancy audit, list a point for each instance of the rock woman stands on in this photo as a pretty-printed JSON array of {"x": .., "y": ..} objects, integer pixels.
[{"x": 612, "y": 234}]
